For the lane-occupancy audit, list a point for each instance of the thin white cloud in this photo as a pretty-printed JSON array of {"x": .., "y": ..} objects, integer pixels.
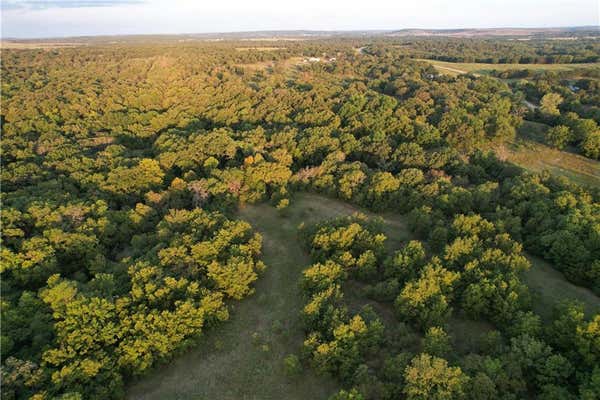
[{"x": 43, "y": 4}]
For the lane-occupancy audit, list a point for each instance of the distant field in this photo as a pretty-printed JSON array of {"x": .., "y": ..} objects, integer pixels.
[
  {"x": 5, "y": 44},
  {"x": 259, "y": 48},
  {"x": 454, "y": 69},
  {"x": 530, "y": 154},
  {"x": 243, "y": 358},
  {"x": 274, "y": 39}
]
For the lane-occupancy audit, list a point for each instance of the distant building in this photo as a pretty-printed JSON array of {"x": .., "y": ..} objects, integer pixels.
[{"x": 319, "y": 59}]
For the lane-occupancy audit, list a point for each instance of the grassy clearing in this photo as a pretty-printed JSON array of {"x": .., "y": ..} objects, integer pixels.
[
  {"x": 243, "y": 358},
  {"x": 549, "y": 286},
  {"x": 527, "y": 152},
  {"x": 26, "y": 44},
  {"x": 287, "y": 64},
  {"x": 232, "y": 362},
  {"x": 454, "y": 69}
]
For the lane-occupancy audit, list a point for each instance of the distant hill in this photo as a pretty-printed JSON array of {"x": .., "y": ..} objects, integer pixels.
[
  {"x": 571, "y": 31},
  {"x": 568, "y": 32}
]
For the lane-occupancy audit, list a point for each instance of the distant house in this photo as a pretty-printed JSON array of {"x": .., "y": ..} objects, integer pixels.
[{"x": 324, "y": 58}]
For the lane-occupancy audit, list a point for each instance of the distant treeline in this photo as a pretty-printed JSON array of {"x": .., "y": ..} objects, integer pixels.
[{"x": 503, "y": 51}]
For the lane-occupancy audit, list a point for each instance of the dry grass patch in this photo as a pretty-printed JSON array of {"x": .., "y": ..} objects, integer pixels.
[{"x": 527, "y": 152}]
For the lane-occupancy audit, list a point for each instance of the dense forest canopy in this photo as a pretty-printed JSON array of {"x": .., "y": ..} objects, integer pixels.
[
  {"x": 517, "y": 50},
  {"x": 123, "y": 166}
]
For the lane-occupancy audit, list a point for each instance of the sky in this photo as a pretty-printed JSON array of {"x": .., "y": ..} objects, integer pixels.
[{"x": 61, "y": 18}]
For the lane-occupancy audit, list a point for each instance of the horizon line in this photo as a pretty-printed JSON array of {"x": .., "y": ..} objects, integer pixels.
[{"x": 366, "y": 30}]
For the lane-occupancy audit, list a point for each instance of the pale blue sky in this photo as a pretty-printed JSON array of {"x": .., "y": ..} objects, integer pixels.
[{"x": 55, "y": 18}]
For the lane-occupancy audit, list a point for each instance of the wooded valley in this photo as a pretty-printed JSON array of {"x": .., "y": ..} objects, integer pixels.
[{"x": 149, "y": 186}]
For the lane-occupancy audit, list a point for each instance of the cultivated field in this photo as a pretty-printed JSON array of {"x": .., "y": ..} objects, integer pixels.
[{"x": 288, "y": 64}]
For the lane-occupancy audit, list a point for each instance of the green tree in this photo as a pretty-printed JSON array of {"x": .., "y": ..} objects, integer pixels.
[
  {"x": 559, "y": 136},
  {"x": 437, "y": 342},
  {"x": 426, "y": 301},
  {"x": 590, "y": 145},
  {"x": 430, "y": 378},
  {"x": 550, "y": 102},
  {"x": 406, "y": 263}
]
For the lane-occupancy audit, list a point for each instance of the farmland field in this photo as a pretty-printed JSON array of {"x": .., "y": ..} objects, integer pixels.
[{"x": 457, "y": 68}]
